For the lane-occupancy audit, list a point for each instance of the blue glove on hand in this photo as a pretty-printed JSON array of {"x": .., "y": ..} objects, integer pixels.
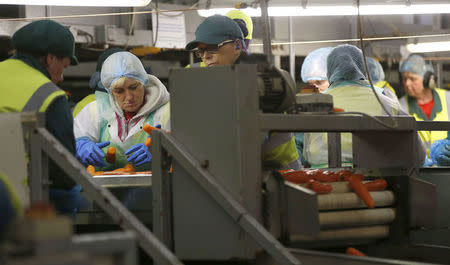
[
  {"x": 139, "y": 154},
  {"x": 91, "y": 153},
  {"x": 440, "y": 152}
]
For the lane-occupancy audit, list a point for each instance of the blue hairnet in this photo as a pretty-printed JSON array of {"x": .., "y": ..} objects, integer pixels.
[
  {"x": 414, "y": 64},
  {"x": 122, "y": 64},
  {"x": 315, "y": 65},
  {"x": 345, "y": 62},
  {"x": 375, "y": 70}
]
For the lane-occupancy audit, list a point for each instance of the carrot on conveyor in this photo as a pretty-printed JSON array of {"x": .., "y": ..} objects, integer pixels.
[
  {"x": 357, "y": 186},
  {"x": 91, "y": 170},
  {"x": 376, "y": 185},
  {"x": 354, "y": 252},
  {"x": 111, "y": 155},
  {"x": 297, "y": 176},
  {"x": 319, "y": 188},
  {"x": 326, "y": 176},
  {"x": 359, "y": 176}
]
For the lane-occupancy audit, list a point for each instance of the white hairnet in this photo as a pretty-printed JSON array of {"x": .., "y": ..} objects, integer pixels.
[
  {"x": 345, "y": 62},
  {"x": 415, "y": 64},
  {"x": 315, "y": 65},
  {"x": 375, "y": 70},
  {"x": 122, "y": 64}
]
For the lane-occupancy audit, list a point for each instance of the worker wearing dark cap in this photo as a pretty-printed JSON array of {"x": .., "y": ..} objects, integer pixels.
[
  {"x": 220, "y": 41},
  {"x": 44, "y": 49}
]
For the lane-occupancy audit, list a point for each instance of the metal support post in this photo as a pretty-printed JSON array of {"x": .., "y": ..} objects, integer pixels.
[
  {"x": 104, "y": 198},
  {"x": 232, "y": 207},
  {"x": 38, "y": 180},
  {"x": 266, "y": 31},
  {"x": 162, "y": 207},
  {"x": 334, "y": 150},
  {"x": 291, "y": 48}
]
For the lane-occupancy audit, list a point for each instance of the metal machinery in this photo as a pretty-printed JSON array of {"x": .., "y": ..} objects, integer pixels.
[
  {"x": 51, "y": 242},
  {"x": 222, "y": 203}
]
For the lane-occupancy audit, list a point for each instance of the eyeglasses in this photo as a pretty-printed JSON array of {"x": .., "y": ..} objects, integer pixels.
[{"x": 210, "y": 48}]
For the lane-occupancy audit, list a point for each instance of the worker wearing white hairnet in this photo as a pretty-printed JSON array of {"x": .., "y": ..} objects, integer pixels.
[
  {"x": 314, "y": 68},
  {"x": 116, "y": 118},
  {"x": 423, "y": 99},
  {"x": 351, "y": 92},
  {"x": 377, "y": 75}
]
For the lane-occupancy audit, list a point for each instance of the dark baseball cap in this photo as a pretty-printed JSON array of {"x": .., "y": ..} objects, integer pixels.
[
  {"x": 214, "y": 30},
  {"x": 46, "y": 36}
]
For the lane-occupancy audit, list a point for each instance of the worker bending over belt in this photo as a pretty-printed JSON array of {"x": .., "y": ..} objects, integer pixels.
[
  {"x": 352, "y": 92},
  {"x": 116, "y": 118}
]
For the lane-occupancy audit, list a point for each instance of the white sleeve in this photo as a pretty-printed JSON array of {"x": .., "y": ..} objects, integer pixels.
[
  {"x": 86, "y": 123},
  {"x": 162, "y": 116}
]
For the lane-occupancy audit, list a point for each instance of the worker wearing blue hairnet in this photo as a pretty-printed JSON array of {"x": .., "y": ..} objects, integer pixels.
[
  {"x": 352, "y": 92},
  {"x": 378, "y": 78},
  {"x": 314, "y": 68},
  {"x": 423, "y": 99}
]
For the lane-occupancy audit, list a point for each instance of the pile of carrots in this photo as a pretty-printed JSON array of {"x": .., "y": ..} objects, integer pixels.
[
  {"x": 128, "y": 169},
  {"x": 317, "y": 180}
]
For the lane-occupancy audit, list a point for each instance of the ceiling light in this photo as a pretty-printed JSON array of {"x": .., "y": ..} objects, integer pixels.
[
  {"x": 338, "y": 10},
  {"x": 77, "y": 2},
  {"x": 438, "y": 46}
]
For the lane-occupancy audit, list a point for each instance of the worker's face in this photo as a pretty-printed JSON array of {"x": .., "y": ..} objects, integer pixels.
[
  {"x": 55, "y": 67},
  {"x": 321, "y": 84},
  {"x": 130, "y": 95},
  {"x": 413, "y": 84},
  {"x": 224, "y": 55}
]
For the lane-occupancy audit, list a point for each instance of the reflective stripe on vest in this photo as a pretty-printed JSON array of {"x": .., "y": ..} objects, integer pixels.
[
  {"x": 428, "y": 137},
  {"x": 82, "y": 103},
  {"x": 281, "y": 150},
  {"x": 39, "y": 99},
  {"x": 24, "y": 88}
]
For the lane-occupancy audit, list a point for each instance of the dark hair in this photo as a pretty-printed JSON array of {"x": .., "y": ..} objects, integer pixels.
[{"x": 242, "y": 25}]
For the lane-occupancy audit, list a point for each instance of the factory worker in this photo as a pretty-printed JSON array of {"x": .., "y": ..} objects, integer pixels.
[
  {"x": 351, "y": 92},
  {"x": 219, "y": 41},
  {"x": 377, "y": 75},
  {"x": 116, "y": 118},
  {"x": 314, "y": 68},
  {"x": 44, "y": 48},
  {"x": 95, "y": 83},
  {"x": 423, "y": 99},
  {"x": 245, "y": 24}
]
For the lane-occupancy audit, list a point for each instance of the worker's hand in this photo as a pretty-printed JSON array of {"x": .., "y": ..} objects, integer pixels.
[
  {"x": 90, "y": 153},
  {"x": 139, "y": 154},
  {"x": 440, "y": 152}
]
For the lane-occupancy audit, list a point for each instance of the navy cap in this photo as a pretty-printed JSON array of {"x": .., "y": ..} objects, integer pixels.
[
  {"x": 214, "y": 30},
  {"x": 46, "y": 36}
]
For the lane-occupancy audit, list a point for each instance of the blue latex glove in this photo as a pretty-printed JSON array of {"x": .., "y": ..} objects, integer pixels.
[
  {"x": 440, "y": 152},
  {"x": 91, "y": 153},
  {"x": 139, "y": 154},
  {"x": 428, "y": 162}
]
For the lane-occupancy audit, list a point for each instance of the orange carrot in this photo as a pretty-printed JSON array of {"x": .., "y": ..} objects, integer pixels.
[
  {"x": 298, "y": 176},
  {"x": 320, "y": 188},
  {"x": 361, "y": 190},
  {"x": 111, "y": 155},
  {"x": 91, "y": 170},
  {"x": 148, "y": 128},
  {"x": 148, "y": 142},
  {"x": 326, "y": 176},
  {"x": 355, "y": 252},
  {"x": 358, "y": 176},
  {"x": 376, "y": 185}
]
